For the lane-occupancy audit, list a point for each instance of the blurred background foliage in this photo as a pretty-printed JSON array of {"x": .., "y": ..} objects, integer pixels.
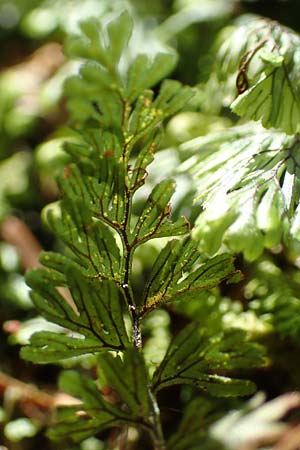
[{"x": 33, "y": 127}]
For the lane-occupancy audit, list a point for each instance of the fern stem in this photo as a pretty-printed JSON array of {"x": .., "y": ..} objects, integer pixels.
[
  {"x": 156, "y": 432},
  {"x": 127, "y": 256}
]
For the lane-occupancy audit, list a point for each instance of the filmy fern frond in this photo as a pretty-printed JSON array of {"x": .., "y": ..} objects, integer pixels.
[
  {"x": 89, "y": 291},
  {"x": 247, "y": 179},
  {"x": 262, "y": 58}
]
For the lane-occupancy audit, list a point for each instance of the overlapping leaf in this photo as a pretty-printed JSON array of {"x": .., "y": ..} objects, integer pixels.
[
  {"x": 127, "y": 379},
  {"x": 92, "y": 316},
  {"x": 105, "y": 196},
  {"x": 262, "y": 57},
  {"x": 198, "y": 359},
  {"x": 152, "y": 221},
  {"x": 101, "y": 43},
  {"x": 248, "y": 181},
  {"x": 105, "y": 88},
  {"x": 149, "y": 112},
  {"x": 178, "y": 273},
  {"x": 91, "y": 243},
  {"x": 99, "y": 414},
  {"x": 192, "y": 433},
  {"x": 274, "y": 296},
  {"x": 144, "y": 72}
]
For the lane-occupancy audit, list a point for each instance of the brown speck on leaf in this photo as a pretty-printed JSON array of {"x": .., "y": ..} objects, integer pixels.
[
  {"x": 109, "y": 154},
  {"x": 67, "y": 172}
]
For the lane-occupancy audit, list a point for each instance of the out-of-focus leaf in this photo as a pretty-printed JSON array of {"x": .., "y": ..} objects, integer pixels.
[
  {"x": 194, "y": 11},
  {"x": 21, "y": 428},
  {"x": 192, "y": 433},
  {"x": 257, "y": 423},
  {"x": 144, "y": 73},
  {"x": 274, "y": 296}
]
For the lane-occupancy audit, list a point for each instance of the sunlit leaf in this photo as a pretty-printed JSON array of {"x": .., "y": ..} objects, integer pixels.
[
  {"x": 262, "y": 57},
  {"x": 247, "y": 179}
]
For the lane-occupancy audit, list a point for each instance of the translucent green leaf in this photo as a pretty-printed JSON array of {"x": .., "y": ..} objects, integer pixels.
[
  {"x": 138, "y": 173},
  {"x": 93, "y": 97},
  {"x": 145, "y": 72},
  {"x": 91, "y": 46},
  {"x": 119, "y": 32},
  {"x": 263, "y": 101},
  {"x": 94, "y": 94},
  {"x": 172, "y": 97},
  {"x": 104, "y": 197},
  {"x": 153, "y": 219},
  {"x": 178, "y": 273},
  {"x": 101, "y": 43},
  {"x": 149, "y": 112},
  {"x": 274, "y": 296},
  {"x": 249, "y": 188},
  {"x": 197, "y": 359},
  {"x": 104, "y": 89},
  {"x": 262, "y": 58}
]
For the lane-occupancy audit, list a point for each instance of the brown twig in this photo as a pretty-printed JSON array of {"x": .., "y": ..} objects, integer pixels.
[
  {"x": 29, "y": 392},
  {"x": 17, "y": 233}
]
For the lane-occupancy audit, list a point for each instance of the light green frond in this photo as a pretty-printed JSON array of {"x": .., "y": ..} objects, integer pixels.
[
  {"x": 258, "y": 63},
  {"x": 249, "y": 188}
]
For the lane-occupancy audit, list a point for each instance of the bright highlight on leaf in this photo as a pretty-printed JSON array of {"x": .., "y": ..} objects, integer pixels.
[
  {"x": 248, "y": 181},
  {"x": 264, "y": 58}
]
